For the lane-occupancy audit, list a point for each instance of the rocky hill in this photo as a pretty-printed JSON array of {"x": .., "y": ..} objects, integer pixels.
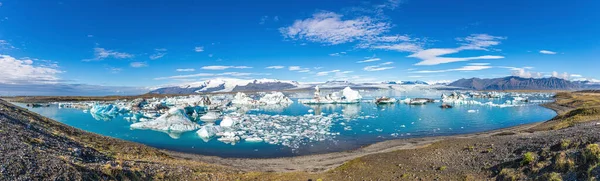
[{"x": 516, "y": 83}]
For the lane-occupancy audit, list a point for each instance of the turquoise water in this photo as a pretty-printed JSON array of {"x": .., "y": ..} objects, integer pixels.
[{"x": 362, "y": 124}]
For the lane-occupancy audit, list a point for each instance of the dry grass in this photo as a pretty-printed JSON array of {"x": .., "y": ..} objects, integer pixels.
[{"x": 577, "y": 107}]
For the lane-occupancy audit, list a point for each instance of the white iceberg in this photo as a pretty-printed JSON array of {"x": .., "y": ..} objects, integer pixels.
[
  {"x": 210, "y": 116},
  {"x": 228, "y": 121},
  {"x": 175, "y": 120},
  {"x": 208, "y": 131},
  {"x": 242, "y": 99},
  {"x": 275, "y": 98},
  {"x": 351, "y": 95}
]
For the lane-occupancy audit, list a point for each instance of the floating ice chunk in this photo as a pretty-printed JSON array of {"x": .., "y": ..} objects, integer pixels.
[
  {"x": 385, "y": 100},
  {"x": 472, "y": 111},
  {"x": 275, "y": 98},
  {"x": 311, "y": 110},
  {"x": 228, "y": 137},
  {"x": 228, "y": 121},
  {"x": 351, "y": 95},
  {"x": 175, "y": 120},
  {"x": 253, "y": 139},
  {"x": 210, "y": 116},
  {"x": 105, "y": 112},
  {"x": 208, "y": 131},
  {"x": 242, "y": 99}
]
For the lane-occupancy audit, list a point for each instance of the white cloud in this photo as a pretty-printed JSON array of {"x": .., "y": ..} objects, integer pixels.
[
  {"x": 330, "y": 28},
  {"x": 199, "y": 49},
  {"x": 101, "y": 54},
  {"x": 186, "y": 76},
  {"x": 464, "y": 68},
  {"x": 479, "y": 41},
  {"x": 114, "y": 70},
  {"x": 210, "y": 55},
  {"x": 138, "y": 64},
  {"x": 576, "y": 75},
  {"x": 221, "y": 67},
  {"x": 564, "y": 75},
  {"x": 379, "y": 67},
  {"x": 548, "y": 52},
  {"x": 401, "y": 47},
  {"x": 263, "y": 19},
  {"x": 275, "y": 67},
  {"x": 337, "y": 54},
  {"x": 234, "y": 74},
  {"x": 433, "y": 56},
  {"x": 185, "y": 70},
  {"x": 338, "y": 73},
  {"x": 369, "y": 60},
  {"x": 523, "y": 72},
  {"x": 158, "y": 53},
  {"x": 295, "y": 68},
  {"x": 15, "y": 71},
  {"x": 6, "y": 45},
  {"x": 298, "y": 69}
]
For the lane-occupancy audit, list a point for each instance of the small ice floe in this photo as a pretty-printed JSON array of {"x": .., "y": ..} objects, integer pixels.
[
  {"x": 311, "y": 111},
  {"x": 403, "y": 126},
  {"x": 228, "y": 121},
  {"x": 379, "y": 130},
  {"x": 253, "y": 139},
  {"x": 275, "y": 98},
  {"x": 472, "y": 111},
  {"x": 208, "y": 131},
  {"x": 210, "y": 116},
  {"x": 385, "y": 100}
]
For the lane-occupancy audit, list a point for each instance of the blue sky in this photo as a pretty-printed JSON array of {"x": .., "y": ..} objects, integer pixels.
[{"x": 152, "y": 43}]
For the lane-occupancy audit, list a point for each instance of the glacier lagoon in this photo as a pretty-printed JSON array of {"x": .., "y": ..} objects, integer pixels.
[{"x": 351, "y": 125}]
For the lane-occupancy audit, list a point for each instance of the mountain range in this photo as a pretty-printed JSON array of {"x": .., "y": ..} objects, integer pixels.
[
  {"x": 255, "y": 85},
  {"x": 520, "y": 83}
]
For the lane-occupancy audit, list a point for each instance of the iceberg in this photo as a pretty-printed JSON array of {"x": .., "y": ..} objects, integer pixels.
[
  {"x": 242, "y": 99},
  {"x": 208, "y": 131},
  {"x": 105, "y": 112},
  {"x": 210, "y": 116},
  {"x": 175, "y": 120},
  {"x": 275, "y": 98},
  {"x": 351, "y": 95},
  {"x": 228, "y": 121}
]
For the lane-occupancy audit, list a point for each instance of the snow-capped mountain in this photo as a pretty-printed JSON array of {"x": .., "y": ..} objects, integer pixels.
[{"x": 228, "y": 85}]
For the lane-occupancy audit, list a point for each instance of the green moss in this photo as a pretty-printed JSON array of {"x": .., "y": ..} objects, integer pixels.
[
  {"x": 442, "y": 168},
  {"x": 528, "y": 158},
  {"x": 564, "y": 144},
  {"x": 591, "y": 153},
  {"x": 553, "y": 176},
  {"x": 508, "y": 174},
  {"x": 563, "y": 163}
]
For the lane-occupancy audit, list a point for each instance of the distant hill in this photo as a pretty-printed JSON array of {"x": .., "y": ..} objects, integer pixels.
[{"x": 517, "y": 83}]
